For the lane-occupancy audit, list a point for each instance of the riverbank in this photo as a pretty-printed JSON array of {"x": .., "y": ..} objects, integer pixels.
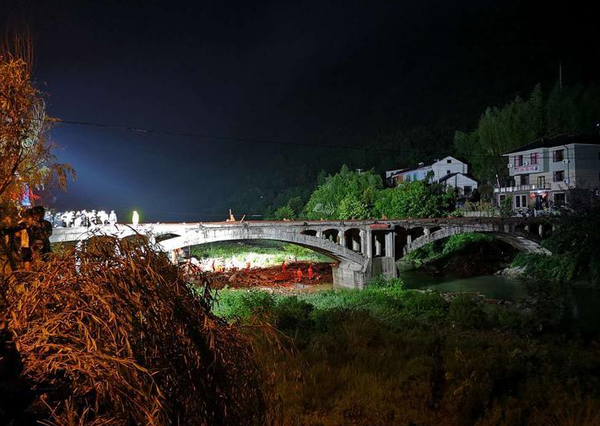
[
  {"x": 275, "y": 278},
  {"x": 388, "y": 355}
]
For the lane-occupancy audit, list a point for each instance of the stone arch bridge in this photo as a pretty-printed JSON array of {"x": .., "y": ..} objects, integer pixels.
[{"x": 361, "y": 249}]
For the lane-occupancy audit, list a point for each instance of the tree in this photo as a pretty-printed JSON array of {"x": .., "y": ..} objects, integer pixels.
[
  {"x": 26, "y": 158},
  {"x": 565, "y": 110},
  {"x": 345, "y": 195},
  {"x": 284, "y": 213},
  {"x": 414, "y": 199}
]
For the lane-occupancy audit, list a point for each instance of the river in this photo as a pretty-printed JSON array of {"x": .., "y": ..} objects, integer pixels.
[{"x": 584, "y": 303}]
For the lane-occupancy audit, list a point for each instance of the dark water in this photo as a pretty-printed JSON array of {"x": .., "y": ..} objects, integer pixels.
[
  {"x": 491, "y": 286},
  {"x": 583, "y": 304}
]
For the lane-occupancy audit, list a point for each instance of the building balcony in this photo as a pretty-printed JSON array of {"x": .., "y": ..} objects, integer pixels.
[
  {"x": 518, "y": 188},
  {"x": 526, "y": 169}
]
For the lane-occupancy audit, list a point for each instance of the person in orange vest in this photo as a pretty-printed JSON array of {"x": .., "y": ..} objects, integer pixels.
[
  {"x": 213, "y": 266},
  {"x": 283, "y": 266},
  {"x": 310, "y": 272},
  {"x": 298, "y": 275},
  {"x": 247, "y": 266}
]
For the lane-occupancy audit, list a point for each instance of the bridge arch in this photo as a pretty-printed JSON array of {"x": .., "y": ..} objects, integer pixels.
[
  {"x": 517, "y": 241},
  {"x": 239, "y": 233}
]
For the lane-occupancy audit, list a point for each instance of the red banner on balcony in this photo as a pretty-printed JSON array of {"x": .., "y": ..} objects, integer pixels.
[{"x": 531, "y": 168}]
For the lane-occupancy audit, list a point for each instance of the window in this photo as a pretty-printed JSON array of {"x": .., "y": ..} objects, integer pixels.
[
  {"x": 524, "y": 179},
  {"x": 502, "y": 198},
  {"x": 559, "y": 176},
  {"x": 407, "y": 178},
  {"x": 559, "y": 198},
  {"x": 521, "y": 201},
  {"x": 541, "y": 181},
  {"x": 448, "y": 172},
  {"x": 534, "y": 158},
  {"x": 468, "y": 190},
  {"x": 558, "y": 155},
  {"x": 518, "y": 161},
  {"x": 450, "y": 161}
]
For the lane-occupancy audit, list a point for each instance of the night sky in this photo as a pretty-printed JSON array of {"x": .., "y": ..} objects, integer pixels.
[{"x": 322, "y": 72}]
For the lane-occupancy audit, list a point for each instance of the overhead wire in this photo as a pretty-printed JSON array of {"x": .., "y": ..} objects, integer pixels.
[{"x": 254, "y": 140}]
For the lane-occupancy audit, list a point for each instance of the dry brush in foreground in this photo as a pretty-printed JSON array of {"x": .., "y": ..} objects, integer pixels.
[{"x": 113, "y": 335}]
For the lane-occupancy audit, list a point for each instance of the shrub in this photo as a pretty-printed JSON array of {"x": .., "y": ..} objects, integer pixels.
[
  {"x": 381, "y": 282},
  {"x": 414, "y": 199},
  {"x": 466, "y": 312},
  {"x": 506, "y": 209},
  {"x": 292, "y": 314},
  {"x": 457, "y": 243},
  {"x": 118, "y": 339}
]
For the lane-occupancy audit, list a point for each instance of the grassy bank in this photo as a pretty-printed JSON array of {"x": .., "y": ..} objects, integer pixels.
[
  {"x": 387, "y": 356},
  {"x": 265, "y": 252}
]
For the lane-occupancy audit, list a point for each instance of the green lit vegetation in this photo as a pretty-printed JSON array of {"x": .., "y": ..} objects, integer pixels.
[
  {"x": 575, "y": 248},
  {"x": 271, "y": 251},
  {"x": 352, "y": 195},
  {"x": 387, "y": 355},
  {"x": 444, "y": 248}
]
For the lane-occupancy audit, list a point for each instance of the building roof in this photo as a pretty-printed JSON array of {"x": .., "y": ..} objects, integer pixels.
[
  {"x": 412, "y": 169},
  {"x": 451, "y": 175},
  {"x": 558, "y": 140},
  {"x": 421, "y": 166}
]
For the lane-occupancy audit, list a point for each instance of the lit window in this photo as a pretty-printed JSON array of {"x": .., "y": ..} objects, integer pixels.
[
  {"x": 541, "y": 181},
  {"x": 518, "y": 162},
  {"x": 534, "y": 158},
  {"x": 559, "y": 176},
  {"x": 558, "y": 155}
]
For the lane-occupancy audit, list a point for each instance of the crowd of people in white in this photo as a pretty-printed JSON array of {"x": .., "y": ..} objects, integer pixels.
[{"x": 82, "y": 218}]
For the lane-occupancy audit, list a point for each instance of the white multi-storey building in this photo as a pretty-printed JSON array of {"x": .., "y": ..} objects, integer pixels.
[{"x": 542, "y": 171}]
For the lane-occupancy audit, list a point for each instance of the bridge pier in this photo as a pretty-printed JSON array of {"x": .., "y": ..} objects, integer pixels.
[
  {"x": 365, "y": 240},
  {"x": 355, "y": 244},
  {"x": 351, "y": 276},
  {"x": 390, "y": 246},
  {"x": 342, "y": 238},
  {"x": 377, "y": 245}
]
